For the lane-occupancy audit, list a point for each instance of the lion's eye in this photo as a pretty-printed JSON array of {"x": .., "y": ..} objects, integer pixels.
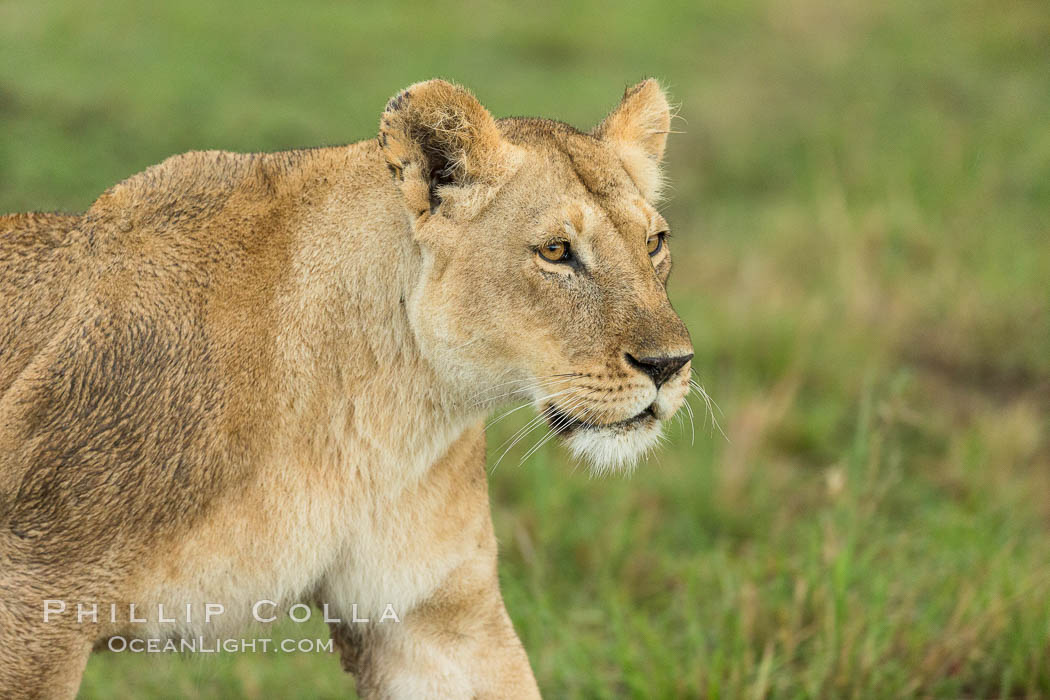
[
  {"x": 555, "y": 251},
  {"x": 654, "y": 244}
]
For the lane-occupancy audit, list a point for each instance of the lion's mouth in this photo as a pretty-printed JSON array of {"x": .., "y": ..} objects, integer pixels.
[{"x": 563, "y": 424}]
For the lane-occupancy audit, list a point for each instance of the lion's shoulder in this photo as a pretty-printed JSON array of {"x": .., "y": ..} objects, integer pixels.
[
  {"x": 180, "y": 189},
  {"x": 207, "y": 176}
]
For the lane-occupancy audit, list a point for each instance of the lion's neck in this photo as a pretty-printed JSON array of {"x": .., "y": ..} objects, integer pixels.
[{"x": 357, "y": 376}]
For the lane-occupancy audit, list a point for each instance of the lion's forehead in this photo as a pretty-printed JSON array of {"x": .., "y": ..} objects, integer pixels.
[
  {"x": 628, "y": 217},
  {"x": 600, "y": 194},
  {"x": 592, "y": 162}
]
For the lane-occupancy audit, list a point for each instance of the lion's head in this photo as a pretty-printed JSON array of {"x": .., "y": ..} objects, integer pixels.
[{"x": 545, "y": 262}]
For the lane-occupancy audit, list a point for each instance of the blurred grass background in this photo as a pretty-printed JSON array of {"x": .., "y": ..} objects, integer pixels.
[{"x": 861, "y": 207}]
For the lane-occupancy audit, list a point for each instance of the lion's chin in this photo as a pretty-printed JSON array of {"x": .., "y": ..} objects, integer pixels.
[{"x": 614, "y": 449}]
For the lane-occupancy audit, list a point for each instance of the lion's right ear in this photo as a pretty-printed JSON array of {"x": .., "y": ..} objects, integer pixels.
[{"x": 436, "y": 136}]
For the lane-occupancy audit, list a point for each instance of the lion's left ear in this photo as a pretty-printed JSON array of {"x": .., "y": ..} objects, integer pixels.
[{"x": 638, "y": 128}]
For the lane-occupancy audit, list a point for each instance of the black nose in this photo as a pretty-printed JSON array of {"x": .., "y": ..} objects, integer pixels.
[{"x": 660, "y": 369}]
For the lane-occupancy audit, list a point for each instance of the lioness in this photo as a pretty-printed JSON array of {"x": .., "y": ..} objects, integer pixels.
[{"x": 244, "y": 379}]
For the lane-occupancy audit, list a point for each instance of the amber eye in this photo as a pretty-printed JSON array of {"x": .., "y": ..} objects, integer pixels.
[
  {"x": 555, "y": 251},
  {"x": 655, "y": 243}
]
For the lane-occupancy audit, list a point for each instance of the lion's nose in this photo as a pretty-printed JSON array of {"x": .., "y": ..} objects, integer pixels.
[{"x": 659, "y": 369}]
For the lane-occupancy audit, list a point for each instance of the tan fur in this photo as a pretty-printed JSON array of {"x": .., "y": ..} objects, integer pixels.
[{"x": 263, "y": 377}]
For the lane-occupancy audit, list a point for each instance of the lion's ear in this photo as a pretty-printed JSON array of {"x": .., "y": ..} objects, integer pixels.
[
  {"x": 435, "y": 135},
  {"x": 638, "y": 128}
]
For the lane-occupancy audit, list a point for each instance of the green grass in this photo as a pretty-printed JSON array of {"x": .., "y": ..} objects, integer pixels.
[{"x": 861, "y": 209}]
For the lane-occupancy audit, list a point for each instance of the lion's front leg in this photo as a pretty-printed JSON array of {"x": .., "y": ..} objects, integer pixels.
[
  {"x": 459, "y": 643},
  {"x": 431, "y": 554}
]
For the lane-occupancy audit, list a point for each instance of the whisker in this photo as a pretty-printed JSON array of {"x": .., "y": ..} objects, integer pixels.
[
  {"x": 698, "y": 386},
  {"x": 710, "y": 406},
  {"x": 530, "y": 426},
  {"x": 554, "y": 430},
  {"x": 543, "y": 441},
  {"x": 565, "y": 419},
  {"x": 692, "y": 421},
  {"x": 542, "y": 383},
  {"x": 527, "y": 404},
  {"x": 538, "y": 381},
  {"x": 517, "y": 437},
  {"x": 521, "y": 384}
]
